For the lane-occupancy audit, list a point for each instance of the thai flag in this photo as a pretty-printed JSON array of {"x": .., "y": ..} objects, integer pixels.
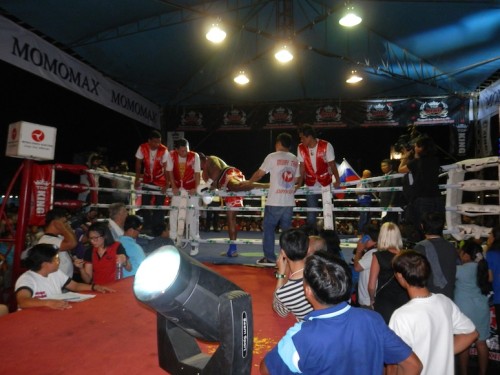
[{"x": 347, "y": 174}]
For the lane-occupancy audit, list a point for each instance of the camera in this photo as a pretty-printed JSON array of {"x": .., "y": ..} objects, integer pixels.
[
  {"x": 407, "y": 141},
  {"x": 404, "y": 143}
]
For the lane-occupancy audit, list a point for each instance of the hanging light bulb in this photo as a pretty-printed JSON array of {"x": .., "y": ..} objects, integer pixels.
[
  {"x": 354, "y": 77},
  {"x": 350, "y": 18},
  {"x": 241, "y": 78},
  {"x": 216, "y": 34},
  {"x": 284, "y": 54}
]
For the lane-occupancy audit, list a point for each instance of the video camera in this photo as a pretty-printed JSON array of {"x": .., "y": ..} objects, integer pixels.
[{"x": 406, "y": 142}]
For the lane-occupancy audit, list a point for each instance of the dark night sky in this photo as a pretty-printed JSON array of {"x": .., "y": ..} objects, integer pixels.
[{"x": 83, "y": 125}]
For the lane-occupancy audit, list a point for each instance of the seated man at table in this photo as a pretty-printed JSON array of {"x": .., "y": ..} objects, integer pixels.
[
  {"x": 161, "y": 237},
  {"x": 132, "y": 227},
  {"x": 336, "y": 337},
  {"x": 44, "y": 280}
]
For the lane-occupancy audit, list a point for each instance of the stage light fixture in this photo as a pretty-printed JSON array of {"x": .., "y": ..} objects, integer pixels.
[
  {"x": 216, "y": 34},
  {"x": 241, "y": 78},
  {"x": 350, "y": 18},
  {"x": 284, "y": 54},
  {"x": 193, "y": 302},
  {"x": 354, "y": 77}
]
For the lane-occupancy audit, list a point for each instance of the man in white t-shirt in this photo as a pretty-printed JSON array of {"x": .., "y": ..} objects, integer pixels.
[
  {"x": 43, "y": 283},
  {"x": 283, "y": 167},
  {"x": 362, "y": 261},
  {"x": 431, "y": 324}
]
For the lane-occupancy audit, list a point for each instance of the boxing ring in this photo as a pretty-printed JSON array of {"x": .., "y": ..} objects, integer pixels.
[
  {"x": 463, "y": 178},
  {"x": 458, "y": 180}
]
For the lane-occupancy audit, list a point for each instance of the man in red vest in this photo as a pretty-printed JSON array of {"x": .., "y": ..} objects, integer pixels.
[
  {"x": 152, "y": 158},
  {"x": 317, "y": 165},
  {"x": 183, "y": 168}
]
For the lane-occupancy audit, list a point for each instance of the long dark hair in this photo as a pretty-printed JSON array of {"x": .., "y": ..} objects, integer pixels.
[
  {"x": 475, "y": 251},
  {"x": 332, "y": 241}
]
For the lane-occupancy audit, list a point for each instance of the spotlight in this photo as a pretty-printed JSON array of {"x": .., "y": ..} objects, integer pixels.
[
  {"x": 241, "y": 78},
  {"x": 284, "y": 54},
  {"x": 354, "y": 77},
  {"x": 350, "y": 18},
  {"x": 216, "y": 34},
  {"x": 192, "y": 302}
]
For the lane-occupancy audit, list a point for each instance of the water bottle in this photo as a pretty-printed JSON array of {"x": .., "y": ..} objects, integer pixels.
[{"x": 119, "y": 271}]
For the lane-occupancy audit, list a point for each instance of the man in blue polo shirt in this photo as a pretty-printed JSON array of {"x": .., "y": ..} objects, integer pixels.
[
  {"x": 132, "y": 229},
  {"x": 337, "y": 338}
]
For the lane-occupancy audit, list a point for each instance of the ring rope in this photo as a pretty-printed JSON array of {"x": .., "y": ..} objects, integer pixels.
[
  {"x": 250, "y": 193},
  {"x": 453, "y": 190},
  {"x": 256, "y": 209}
]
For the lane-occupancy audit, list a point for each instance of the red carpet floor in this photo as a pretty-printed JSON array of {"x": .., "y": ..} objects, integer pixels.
[{"x": 115, "y": 334}]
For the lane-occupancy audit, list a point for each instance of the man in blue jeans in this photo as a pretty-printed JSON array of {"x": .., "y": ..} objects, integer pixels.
[
  {"x": 317, "y": 165},
  {"x": 364, "y": 200},
  {"x": 284, "y": 171}
]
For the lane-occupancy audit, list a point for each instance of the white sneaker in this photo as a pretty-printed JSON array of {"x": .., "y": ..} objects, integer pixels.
[{"x": 194, "y": 251}]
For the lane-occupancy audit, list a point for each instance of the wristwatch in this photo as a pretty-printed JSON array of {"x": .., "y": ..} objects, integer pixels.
[{"x": 279, "y": 275}]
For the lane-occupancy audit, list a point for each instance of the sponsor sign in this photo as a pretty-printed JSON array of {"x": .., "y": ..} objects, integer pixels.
[
  {"x": 461, "y": 140},
  {"x": 380, "y": 113},
  {"x": 234, "y": 118},
  {"x": 31, "y": 141},
  {"x": 489, "y": 101},
  {"x": 27, "y": 51},
  {"x": 329, "y": 116},
  {"x": 434, "y": 112},
  {"x": 279, "y": 117},
  {"x": 191, "y": 120},
  {"x": 41, "y": 193},
  {"x": 366, "y": 113}
]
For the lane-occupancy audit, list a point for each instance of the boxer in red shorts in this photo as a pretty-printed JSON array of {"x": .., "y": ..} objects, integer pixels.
[{"x": 222, "y": 176}]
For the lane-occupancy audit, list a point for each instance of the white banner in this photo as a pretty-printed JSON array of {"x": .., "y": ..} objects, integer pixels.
[
  {"x": 27, "y": 51},
  {"x": 489, "y": 101}
]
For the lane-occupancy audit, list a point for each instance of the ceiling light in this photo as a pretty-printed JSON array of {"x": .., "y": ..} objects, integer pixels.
[
  {"x": 354, "y": 77},
  {"x": 241, "y": 79},
  {"x": 216, "y": 34},
  {"x": 284, "y": 55},
  {"x": 350, "y": 18}
]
